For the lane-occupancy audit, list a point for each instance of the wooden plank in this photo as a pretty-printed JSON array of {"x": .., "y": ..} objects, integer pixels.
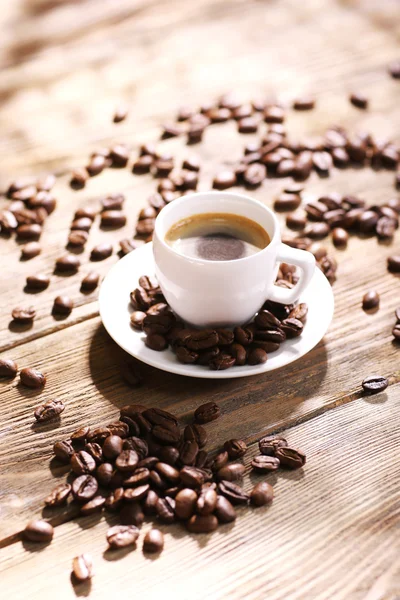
[
  {"x": 331, "y": 532},
  {"x": 83, "y": 368}
]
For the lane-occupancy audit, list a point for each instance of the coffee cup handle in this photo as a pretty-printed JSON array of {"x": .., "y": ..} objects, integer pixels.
[{"x": 300, "y": 258}]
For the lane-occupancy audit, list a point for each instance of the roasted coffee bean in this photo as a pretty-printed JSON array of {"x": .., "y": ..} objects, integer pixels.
[
  {"x": 185, "y": 503},
  {"x": 50, "y": 410},
  {"x": 157, "y": 342},
  {"x": 290, "y": 458},
  {"x": 206, "y": 356},
  {"x": 68, "y": 264},
  {"x": 317, "y": 231},
  {"x": 93, "y": 506},
  {"x": 63, "y": 451},
  {"x": 95, "y": 451},
  {"x": 264, "y": 345},
  {"x": 296, "y": 220},
  {"x": 186, "y": 356},
  {"x": 243, "y": 335},
  {"x": 127, "y": 461},
  {"x": 201, "y": 459},
  {"x": 77, "y": 238},
  {"x": 142, "y": 164},
  {"x": 221, "y": 362},
  {"x": 80, "y": 435},
  {"x": 374, "y": 384},
  {"x": 235, "y": 448},
  {"x": 340, "y": 237},
  {"x": 219, "y": 115},
  {"x": 63, "y": 305},
  {"x": 265, "y": 463},
  {"x": 104, "y": 474},
  {"x": 188, "y": 453},
  {"x": 121, "y": 536},
  {"x": 138, "y": 478},
  {"x": 202, "y": 340},
  {"x": 58, "y": 496},
  {"x": 84, "y": 488},
  {"x": 165, "y": 509},
  {"x": 393, "y": 263},
  {"x": 8, "y": 368},
  {"x": 247, "y": 125},
  {"x": 262, "y": 494},
  {"x": 79, "y": 177},
  {"x": 82, "y": 462},
  {"x": 169, "y": 455},
  {"x": 304, "y": 103},
  {"x": 270, "y": 335},
  {"x": 137, "y": 493},
  {"x": 396, "y": 332},
  {"x": 322, "y": 162},
  {"x": 299, "y": 312},
  {"x": 119, "y": 155},
  {"x": 120, "y": 114},
  {"x": 166, "y": 435},
  {"x": 192, "y": 476},
  {"x": 113, "y": 219},
  {"x": 119, "y": 428},
  {"x": 233, "y": 492},
  {"x": 238, "y": 352},
  {"x": 30, "y": 250},
  {"x": 167, "y": 472},
  {"x": 292, "y": 327},
  {"x": 207, "y": 501},
  {"x": 157, "y": 481},
  {"x": 367, "y": 221},
  {"x": 159, "y": 320},
  {"x": 359, "y": 100},
  {"x": 32, "y": 231},
  {"x": 287, "y": 202},
  {"x": 224, "y": 179},
  {"x": 23, "y": 315},
  {"x": 220, "y": 460},
  {"x": 32, "y": 378},
  {"x": 340, "y": 157},
  {"x": 202, "y": 524},
  {"x": 394, "y": 69},
  {"x": 38, "y": 531},
  {"x": 266, "y": 320},
  {"x": 153, "y": 541},
  {"x": 8, "y": 222},
  {"x": 96, "y": 165},
  {"x": 257, "y": 356},
  {"x": 224, "y": 510},
  {"x": 82, "y": 567},
  {"x": 207, "y": 412},
  {"x": 81, "y": 224},
  {"x": 112, "y": 446},
  {"x": 255, "y": 174},
  {"x": 101, "y": 251},
  {"x": 370, "y": 300},
  {"x": 385, "y": 228},
  {"x": 232, "y": 472},
  {"x": 225, "y": 336},
  {"x": 127, "y": 246},
  {"x": 130, "y": 410},
  {"x": 90, "y": 281},
  {"x": 114, "y": 499}
]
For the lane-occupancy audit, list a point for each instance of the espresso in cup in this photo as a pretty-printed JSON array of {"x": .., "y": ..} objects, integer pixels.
[{"x": 217, "y": 237}]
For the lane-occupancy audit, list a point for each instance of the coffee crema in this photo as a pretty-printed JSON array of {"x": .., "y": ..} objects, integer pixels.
[{"x": 217, "y": 237}]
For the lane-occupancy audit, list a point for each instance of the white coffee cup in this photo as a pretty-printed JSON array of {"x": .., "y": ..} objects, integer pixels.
[{"x": 224, "y": 293}]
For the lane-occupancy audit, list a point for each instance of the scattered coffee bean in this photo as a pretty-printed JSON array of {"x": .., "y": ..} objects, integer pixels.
[
  {"x": 8, "y": 368},
  {"x": 78, "y": 238},
  {"x": 290, "y": 458},
  {"x": 235, "y": 448},
  {"x": 58, "y": 496},
  {"x": 37, "y": 282},
  {"x": 32, "y": 231},
  {"x": 113, "y": 219},
  {"x": 224, "y": 510},
  {"x": 82, "y": 567},
  {"x": 231, "y": 472},
  {"x": 370, "y": 300},
  {"x": 224, "y": 179},
  {"x": 207, "y": 412},
  {"x": 23, "y": 315},
  {"x": 340, "y": 237},
  {"x": 93, "y": 506},
  {"x": 38, "y": 531},
  {"x": 265, "y": 463},
  {"x": 393, "y": 263},
  {"x": 261, "y": 494},
  {"x": 79, "y": 177},
  {"x": 202, "y": 524},
  {"x": 68, "y": 264},
  {"x": 50, "y": 410},
  {"x": 233, "y": 492},
  {"x": 287, "y": 202},
  {"x": 185, "y": 503},
  {"x": 304, "y": 103},
  {"x": 30, "y": 250},
  {"x": 394, "y": 69},
  {"x": 120, "y": 114},
  {"x": 63, "y": 305},
  {"x": 153, "y": 541},
  {"x": 32, "y": 378},
  {"x": 359, "y": 100},
  {"x": 375, "y": 384},
  {"x": 257, "y": 356},
  {"x": 121, "y": 536},
  {"x": 101, "y": 251},
  {"x": 84, "y": 488},
  {"x": 396, "y": 332}
]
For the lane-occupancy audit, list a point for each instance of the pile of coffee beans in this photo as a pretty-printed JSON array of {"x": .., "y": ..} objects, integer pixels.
[
  {"x": 217, "y": 348},
  {"x": 146, "y": 466}
]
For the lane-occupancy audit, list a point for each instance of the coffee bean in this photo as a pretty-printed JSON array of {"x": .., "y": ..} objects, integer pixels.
[
  {"x": 139, "y": 477},
  {"x": 166, "y": 435},
  {"x": 207, "y": 412},
  {"x": 167, "y": 472},
  {"x": 393, "y": 263},
  {"x": 233, "y": 492},
  {"x": 247, "y": 125},
  {"x": 50, "y": 410},
  {"x": 38, "y": 531},
  {"x": 63, "y": 451},
  {"x": 112, "y": 446},
  {"x": 119, "y": 155},
  {"x": 68, "y": 264},
  {"x": 231, "y": 472},
  {"x": 385, "y": 228},
  {"x": 225, "y": 179},
  {"x": 192, "y": 477},
  {"x": 113, "y": 219},
  {"x": 136, "y": 493},
  {"x": 261, "y": 494},
  {"x": 127, "y": 246},
  {"x": 220, "y": 460},
  {"x": 394, "y": 69},
  {"x": 101, "y": 251},
  {"x": 185, "y": 503},
  {"x": 224, "y": 510},
  {"x": 359, "y": 100},
  {"x": 127, "y": 461},
  {"x": 120, "y": 114},
  {"x": 396, "y": 332},
  {"x": 84, "y": 488},
  {"x": 239, "y": 353},
  {"x": 156, "y": 342},
  {"x": 255, "y": 174},
  {"x": 104, "y": 474},
  {"x": 340, "y": 237},
  {"x": 265, "y": 463},
  {"x": 90, "y": 281},
  {"x": 292, "y": 327},
  {"x": 80, "y": 436},
  {"x": 304, "y": 103},
  {"x": 370, "y": 300},
  {"x": 8, "y": 368},
  {"x": 202, "y": 524},
  {"x": 82, "y": 462},
  {"x": 367, "y": 221},
  {"x": 221, "y": 362},
  {"x": 168, "y": 454},
  {"x": 30, "y": 250},
  {"x": 290, "y": 458},
  {"x": 78, "y": 238},
  {"x": 93, "y": 506},
  {"x": 96, "y": 165},
  {"x": 63, "y": 305},
  {"x": 142, "y": 164},
  {"x": 79, "y": 177},
  {"x": 287, "y": 202},
  {"x": 235, "y": 448},
  {"x": 121, "y": 536},
  {"x": 58, "y": 496},
  {"x": 32, "y": 378},
  {"x": 375, "y": 384},
  {"x": 81, "y": 224},
  {"x": 165, "y": 509},
  {"x": 243, "y": 336},
  {"x": 296, "y": 220},
  {"x": 153, "y": 541},
  {"x": 257, "y": 356},
  {"x": 82, "y": 567},
  {"x": 32, "y": 231},
  {"x": 114, "y": 499},
  {"x": 299, "y": 312}
]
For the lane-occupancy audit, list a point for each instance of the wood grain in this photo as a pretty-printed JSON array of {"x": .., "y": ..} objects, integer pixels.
[{"x": 331, "y": 531}]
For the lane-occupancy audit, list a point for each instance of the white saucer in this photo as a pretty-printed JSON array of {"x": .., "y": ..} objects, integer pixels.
[{"x": 115, "y": 310}]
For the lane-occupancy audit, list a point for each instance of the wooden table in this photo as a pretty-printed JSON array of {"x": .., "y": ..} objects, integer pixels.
[{"x": 333, "y": 528}]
